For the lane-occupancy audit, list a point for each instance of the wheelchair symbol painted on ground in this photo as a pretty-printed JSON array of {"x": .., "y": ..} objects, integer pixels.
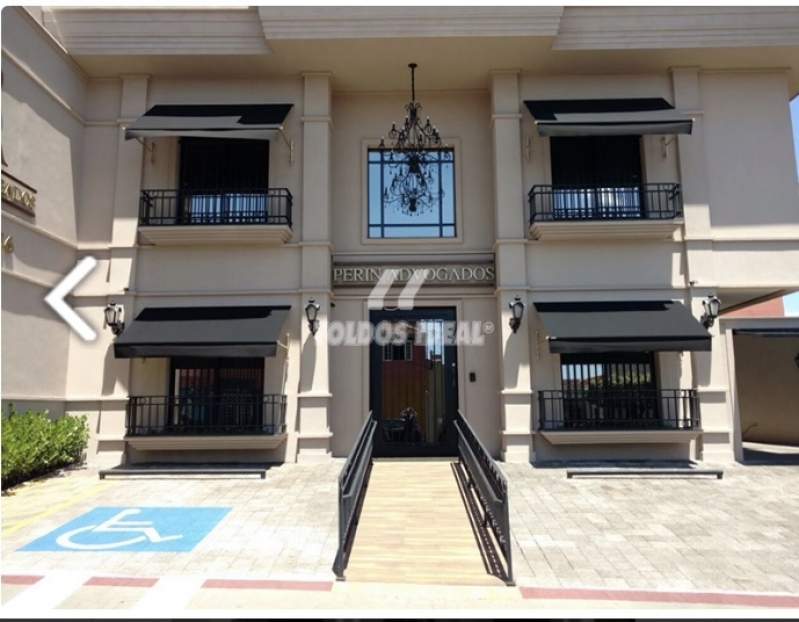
[
  {"x": 115, "y": 524},
  {"x": 153, "y": 529}
]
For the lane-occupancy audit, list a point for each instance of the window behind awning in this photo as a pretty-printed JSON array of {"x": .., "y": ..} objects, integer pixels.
[
  {"x": 203, "y": 331},
  {"x": 627, "y": 326},
  {"x": 607, "y": 117},
  {"x": 253, "y": 121}
]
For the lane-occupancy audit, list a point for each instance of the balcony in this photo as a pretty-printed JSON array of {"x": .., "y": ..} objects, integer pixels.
[
  {"x": 580, "y": 416},
  {"x": 239, "y": 216},
  {"x": 576, "y": 212},
  {"x": 206, "y": 422}
]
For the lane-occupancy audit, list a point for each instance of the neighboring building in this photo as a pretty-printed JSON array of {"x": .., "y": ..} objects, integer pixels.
[
  {"x": 768, "y": 308},
  {"x": 608, "y": 166}
]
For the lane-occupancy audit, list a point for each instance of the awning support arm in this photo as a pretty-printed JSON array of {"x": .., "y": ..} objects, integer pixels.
[
  {"x": 151, "y": 148},
  {"x": 289, "y": 144},
  {"x": 664, "y": 145}
]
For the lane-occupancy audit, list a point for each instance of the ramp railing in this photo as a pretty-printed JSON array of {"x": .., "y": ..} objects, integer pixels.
[
  {"x": 352, "y": 484},
  {"x": 490, "y": 485}
]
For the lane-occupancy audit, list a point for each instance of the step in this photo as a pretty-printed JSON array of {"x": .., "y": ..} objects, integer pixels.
[
  {"x": 184, "y": 471},
  {"x": 718, "y": 473}
]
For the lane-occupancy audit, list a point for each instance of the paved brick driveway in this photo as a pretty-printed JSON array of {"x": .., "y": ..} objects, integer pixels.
[{"x": 687, "y": 535}]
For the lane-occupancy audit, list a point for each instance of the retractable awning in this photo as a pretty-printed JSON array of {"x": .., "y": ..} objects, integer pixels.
[
  {"x": 634, "y": 326},
  {"x": 786, "y": 331},
  {"x": 254, "y": 121},
  {"x": 607, "y": 117},
  {"x": 202, "y": 331}
]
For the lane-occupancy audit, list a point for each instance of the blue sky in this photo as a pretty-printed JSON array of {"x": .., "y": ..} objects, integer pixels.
[{"x": 792, "y": 301}]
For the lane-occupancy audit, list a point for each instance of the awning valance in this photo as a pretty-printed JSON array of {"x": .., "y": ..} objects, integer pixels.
[
  {"x": 607, "y": 117},
  {"x": 254, "y": 121},
  {"x": 785, "y": 331},
  {"x": 202, "y": 331},
  {"x": 628, "y": 326}
]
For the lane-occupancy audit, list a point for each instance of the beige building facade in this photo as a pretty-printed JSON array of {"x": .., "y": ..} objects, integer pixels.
[{"x": 609, "y": 166}]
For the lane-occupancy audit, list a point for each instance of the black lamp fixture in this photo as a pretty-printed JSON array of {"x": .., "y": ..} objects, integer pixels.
[
  {"x": 413, "y": 188},
  {"x": 311, "y": 312},
  {"x": 113, "y": 318},
  {"x": 517, "y": 307},
  {"x": 711, "y": 305}
]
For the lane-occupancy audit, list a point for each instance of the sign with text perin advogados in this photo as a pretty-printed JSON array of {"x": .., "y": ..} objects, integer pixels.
[{"x": 355, "y": 275}]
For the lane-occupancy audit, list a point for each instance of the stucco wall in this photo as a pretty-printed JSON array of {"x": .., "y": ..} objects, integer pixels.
[
  {"x": 43, "y": 131},
  {"x": 768, "y": 388},
  {"x": 751, "y": 168},
  {"x": 463, "y": 121}
]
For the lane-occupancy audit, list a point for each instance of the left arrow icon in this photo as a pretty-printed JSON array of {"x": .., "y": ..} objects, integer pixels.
[{"x": 56, "y": 298}]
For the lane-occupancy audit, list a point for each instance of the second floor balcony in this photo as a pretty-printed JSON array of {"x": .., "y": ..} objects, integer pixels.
[
  {"x": 595, "y": 211},
  {"x": 191, "y": 216}
]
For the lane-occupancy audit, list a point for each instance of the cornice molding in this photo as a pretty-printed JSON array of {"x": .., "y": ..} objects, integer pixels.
[
  {"x": 420, "y": 21},
  {"x": 635, "y": 27},
  {"x": 152, "y": 30}
]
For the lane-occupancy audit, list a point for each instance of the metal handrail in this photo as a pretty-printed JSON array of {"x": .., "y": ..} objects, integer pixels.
[
  {"x": 650, "y": 201},
  {"x": 198, "y": 415},
  {"x": 491, "y": 485},
  {"x": 218, "y": 206},
  {"x": 352, "y": 484},
  {"x": 619, "y": 409}
]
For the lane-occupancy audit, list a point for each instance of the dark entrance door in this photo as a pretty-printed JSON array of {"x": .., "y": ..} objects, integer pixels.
[
  {"x": 223, "y": 181},
  {"x": 597, "y": 176},
  {"x": 413, "y": 391}
]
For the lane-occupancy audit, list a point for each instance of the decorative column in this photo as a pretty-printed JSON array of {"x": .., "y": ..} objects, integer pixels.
[
  {"x": 313, "y": 438},
  {"x": 515, "y": 396},
  {"x": 708, "y": 368}
]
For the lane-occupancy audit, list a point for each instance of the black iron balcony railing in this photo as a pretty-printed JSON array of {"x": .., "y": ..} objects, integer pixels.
[
  {"x": 261, "y": 206},
  {"x": 206, "y": 415},
  {"x": 605, "y": 202},
  {"x": 619, "y": 409}
]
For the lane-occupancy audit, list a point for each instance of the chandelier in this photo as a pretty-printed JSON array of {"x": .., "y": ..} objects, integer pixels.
[{"x": 412, "y": 159}]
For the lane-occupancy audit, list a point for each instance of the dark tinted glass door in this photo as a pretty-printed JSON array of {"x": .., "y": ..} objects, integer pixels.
[{"x": 413, "y": 384}]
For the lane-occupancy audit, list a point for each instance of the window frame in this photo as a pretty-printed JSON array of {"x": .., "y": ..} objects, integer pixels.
[{"x": 368, "y": 145}]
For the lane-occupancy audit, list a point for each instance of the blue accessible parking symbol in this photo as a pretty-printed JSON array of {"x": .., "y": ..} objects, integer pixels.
[{"x": 151, "y": 529}]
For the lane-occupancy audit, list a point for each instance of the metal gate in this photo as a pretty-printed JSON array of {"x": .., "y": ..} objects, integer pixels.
[{"x": 413, "y": 382}]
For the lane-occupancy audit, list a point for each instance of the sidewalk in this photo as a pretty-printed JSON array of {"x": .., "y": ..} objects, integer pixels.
[{"x": 580, "y": 544}]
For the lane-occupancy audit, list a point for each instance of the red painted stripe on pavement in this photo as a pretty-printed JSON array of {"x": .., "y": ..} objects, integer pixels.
[
  {"x": 269, "y": 584},
  {"x": 711, "y": 598},
  {"x": 20, "y": 579},
  {"x": 121, "y": 581}
]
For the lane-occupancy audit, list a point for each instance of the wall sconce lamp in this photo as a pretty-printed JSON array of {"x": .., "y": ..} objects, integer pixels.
[
  {"x": 113, "y": 318},
  {"x": 517, "y": 307},
  {"x": 711, "y": 305},
  {"x": 311, "y": 312}
]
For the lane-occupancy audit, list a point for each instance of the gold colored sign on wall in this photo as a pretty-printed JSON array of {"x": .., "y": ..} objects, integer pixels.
[
  {"x": 356, "y": 275},
  {"x": 18, "y": 194}
]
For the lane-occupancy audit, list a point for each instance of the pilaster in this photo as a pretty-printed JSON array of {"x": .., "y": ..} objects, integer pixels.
[
  {"x": 313, "y": 438},
  {"x": 708, "y": 368},
  {"x": 515, "y": 395}
]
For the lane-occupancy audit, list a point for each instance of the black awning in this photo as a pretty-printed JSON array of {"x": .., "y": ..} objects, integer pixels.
[
  {"x": 785, "y": 331},
  {"x": 635, "y": 326},
  {"x": 607, "y": 117},
  {"x": 258, "y": 121},
  {"x": 202, "y": 331}
]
